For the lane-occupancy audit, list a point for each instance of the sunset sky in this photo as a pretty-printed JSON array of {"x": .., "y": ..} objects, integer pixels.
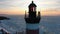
[{"x": 18, "y": 7}]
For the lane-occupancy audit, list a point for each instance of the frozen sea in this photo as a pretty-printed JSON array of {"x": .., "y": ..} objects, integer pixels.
[{"x": 48, "y": 24}]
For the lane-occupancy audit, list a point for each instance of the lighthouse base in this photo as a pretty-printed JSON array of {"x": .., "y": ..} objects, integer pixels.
[
  {"x": 32, "y": 28},
  {"x": 32, "y": 31}
]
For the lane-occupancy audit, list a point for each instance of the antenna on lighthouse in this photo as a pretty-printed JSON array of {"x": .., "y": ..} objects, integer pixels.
[
  {"x": 38, "y": 13},
  {"x": 25, "y": 13}
]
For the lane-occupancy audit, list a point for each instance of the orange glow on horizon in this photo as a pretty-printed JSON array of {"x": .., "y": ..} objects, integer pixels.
[
  {"x": 50, "y": 13},
  {"x": 12, "y": 11},
  {"x": 22, "y": 12}
]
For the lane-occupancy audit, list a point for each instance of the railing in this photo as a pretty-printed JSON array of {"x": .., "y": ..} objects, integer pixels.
[{"x": 37, "y": 15}]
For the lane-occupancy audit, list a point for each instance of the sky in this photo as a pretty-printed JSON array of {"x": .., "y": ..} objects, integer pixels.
[{"x": 18, "y": 7}]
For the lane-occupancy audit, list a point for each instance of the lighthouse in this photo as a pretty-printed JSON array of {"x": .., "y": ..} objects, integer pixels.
[{"x": 32, "y": 19}]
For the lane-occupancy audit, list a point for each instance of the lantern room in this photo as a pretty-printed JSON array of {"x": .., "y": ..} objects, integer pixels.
[{"x": 32, "y": 7}]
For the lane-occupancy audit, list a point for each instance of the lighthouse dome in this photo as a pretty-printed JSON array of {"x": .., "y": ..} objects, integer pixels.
[{"x": 32, "y": 4}]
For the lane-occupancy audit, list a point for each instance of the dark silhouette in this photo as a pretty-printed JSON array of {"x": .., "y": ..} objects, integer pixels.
[
  {"x": 4, "y": 18},
  {"x": 32, "y": 17}
]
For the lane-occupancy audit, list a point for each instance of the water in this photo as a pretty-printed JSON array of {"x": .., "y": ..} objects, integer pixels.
[{"x": 49, "y": 24}]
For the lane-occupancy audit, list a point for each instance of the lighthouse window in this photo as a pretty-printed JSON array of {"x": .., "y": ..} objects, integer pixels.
[{"x": 33, "y": 8}]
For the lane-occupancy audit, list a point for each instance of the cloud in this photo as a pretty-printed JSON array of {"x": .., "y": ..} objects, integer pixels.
[
  {"x": 12, "y": 3},
  {"x": 9, "y": 4}
]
